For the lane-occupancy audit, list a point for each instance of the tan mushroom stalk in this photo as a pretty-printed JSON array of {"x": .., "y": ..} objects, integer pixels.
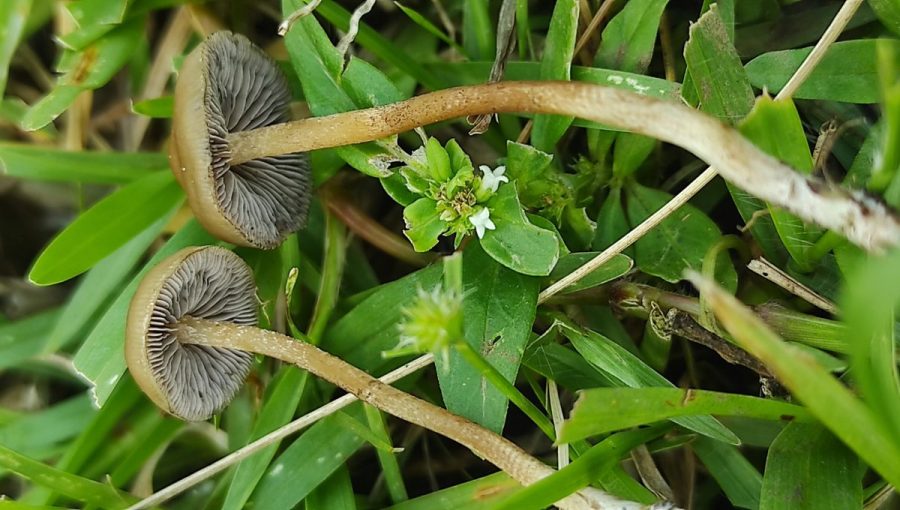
[
  {"x": 191, "y": 329},
  {"x": 211, "y": 158}
]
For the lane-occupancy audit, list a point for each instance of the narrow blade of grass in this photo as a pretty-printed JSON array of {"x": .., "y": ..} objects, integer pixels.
[
  {"x": 601, "y": 410},
  {"x": 825, "y": 397}
]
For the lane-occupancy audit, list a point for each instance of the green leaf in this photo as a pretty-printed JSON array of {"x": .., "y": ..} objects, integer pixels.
[
  {"x": 630, "y": 37},
  {"x": 630, "y": 152},
  {"x": 105, "y": 227},
  {"x": 516, "y": 243},
  {"x": 327, "y": 91},
  {"x": 477, "y": 494},
  {"x": 477, "y": 30},
  {"x": 499, "y": 309},
  {"x": 430, "y": 27},
  {"x": 373, "y": 41},
  {"x": 13, "y": 14},
  {"x": 101, "y": 358},
  {"x": 808, "y": 468},
  {"x": 848, "y": 72},
  {"x": 555, "y": 65},
  {"x": 73, "y": 486},
  {"x": 156, "y": 108},
  {"x": 49, "y": 164},
  {"x": 602, "y": 410},
  {"x": 775, "y": 127},
  {"x": 870, "y": 303},
  {"x": 678, "y": 243},
  {"x": 97, "y": 286},
  {"x": 335, "y": 493},
  {"x": 564, "y": 366},
  {"x": 22, "y": 339},
  {"x": 390, "y": 467},
  {"x": 92, "y": 438},
  {"x": 825, "y": 397},
  {"x": 721, "y": 83},
  {"x": 616, "y": 267},
  {"x": 38, "y": 434},
  {"x": 612, "y": 221},
  {"x": 888, "y": 11},
  {"x": 370, "y": 327},
  {"x": 283, "y": 395},
  {"x": 581, "y": 472},
  {"x": 737, "y": 477},
  {"x": 423, "y": 224},
  {"x": 628, "y": 370},
  {"x": 86, "y": 70},
  {"x": 307, "y": 462}
]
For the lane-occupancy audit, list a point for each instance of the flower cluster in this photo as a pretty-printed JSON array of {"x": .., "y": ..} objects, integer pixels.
[
  {"x": 453, "y": 195},
  {"x": 431, "y": 323}
]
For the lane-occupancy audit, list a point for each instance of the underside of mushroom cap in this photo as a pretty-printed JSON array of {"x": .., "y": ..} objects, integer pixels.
[
  {"x": 190, "y": 381},
  {"x": 229, "y": 85}
]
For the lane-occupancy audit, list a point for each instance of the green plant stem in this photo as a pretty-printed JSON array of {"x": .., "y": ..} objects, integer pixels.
[
  {"x": 507, "y": 388},
  {"x": 332, "y": 272}
]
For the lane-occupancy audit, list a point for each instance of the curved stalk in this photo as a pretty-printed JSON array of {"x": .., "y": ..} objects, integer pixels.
[
  {"x": 486, "y": 444},
  {"x": 864, "y": 221}
]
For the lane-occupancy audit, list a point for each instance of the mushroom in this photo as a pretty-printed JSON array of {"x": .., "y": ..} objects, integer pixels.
[
  {"x": 192, "y": 326},
  {"x": 229, "y": 85},
  {"x": 232, "y": 152}
]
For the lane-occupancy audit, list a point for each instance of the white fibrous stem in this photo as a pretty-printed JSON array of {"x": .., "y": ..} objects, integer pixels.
[
  {"x": 861, "y": 219},
  {"x": 486, "y": 444}
]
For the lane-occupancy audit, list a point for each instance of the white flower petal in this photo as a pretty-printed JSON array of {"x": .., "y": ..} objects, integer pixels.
[
  {"x": 482, "y": 221},
  {"x": 491, "y": 179}
]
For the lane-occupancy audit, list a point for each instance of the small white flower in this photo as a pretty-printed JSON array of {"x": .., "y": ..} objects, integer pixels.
[
  {"x": 482, "y": 221},
  {"x": 491, "y": 179}
]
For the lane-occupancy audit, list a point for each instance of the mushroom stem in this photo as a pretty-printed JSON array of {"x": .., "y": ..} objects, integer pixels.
[
  {"x": 862, "y": 220},
  {"x": 486, "y": 444}
]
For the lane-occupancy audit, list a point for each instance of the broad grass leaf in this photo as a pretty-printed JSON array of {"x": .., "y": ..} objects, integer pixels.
[
  {"x": 555, "y": 65},
  {"x": 848, "y": 72},
  {"x": 718, "y": 76},
  {"x": 72, "y": 486},
  {"x": 22, "y": 339},
  {"x": 628, "y": 370},
  {"x": 477, "y": 30},
  {"x": 13, "y": 15},
  {"x": 808, "y": 468},
  {"x": 775, "y": 127},
  {"x": 106, "y": 226},
  {"x": 307, "y": 462},
  {"x": 630, "y": 37},
  {"x": 88, "y": 69},
  {"x": 737, "y": 477},
  {"x": 476, "y": 494},
  {"x": 49, "y": 164},
  {"x": 601, "y": 410},
  {"x": 867, "y": 433},
  {"x": 888, "y": 11}
]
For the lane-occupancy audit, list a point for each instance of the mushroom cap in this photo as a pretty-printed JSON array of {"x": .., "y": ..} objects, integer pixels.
[
  {"x": 227, "y": 85},
  {"x": 190, "y": 381}
]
